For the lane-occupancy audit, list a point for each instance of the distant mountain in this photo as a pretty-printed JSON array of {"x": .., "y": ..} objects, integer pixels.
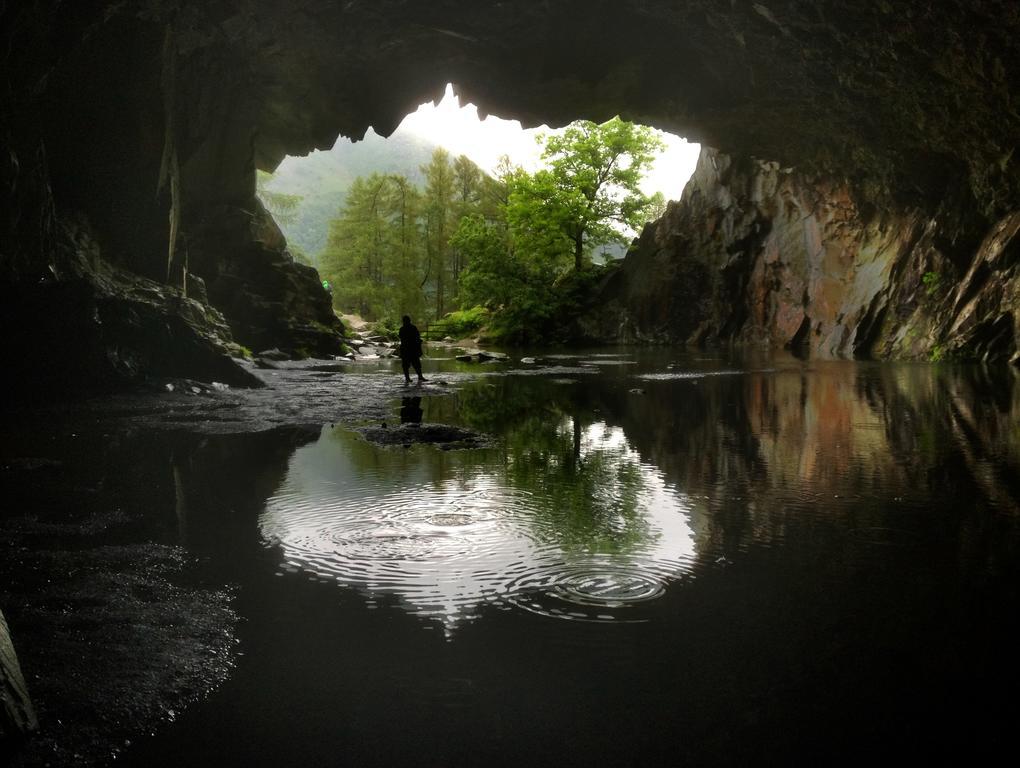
[{"x": 323, "y": 178}]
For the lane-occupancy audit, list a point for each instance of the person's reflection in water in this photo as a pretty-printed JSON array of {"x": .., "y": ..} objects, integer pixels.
[{"x": 410, "y": 410}]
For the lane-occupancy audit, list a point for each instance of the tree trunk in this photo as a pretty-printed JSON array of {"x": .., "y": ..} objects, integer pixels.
[
  {"x": 16, "y": 714},
  {"x": 578, "y": 252}
]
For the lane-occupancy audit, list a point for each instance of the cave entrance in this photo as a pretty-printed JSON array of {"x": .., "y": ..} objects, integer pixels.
[{"x": 394, "y": 224}]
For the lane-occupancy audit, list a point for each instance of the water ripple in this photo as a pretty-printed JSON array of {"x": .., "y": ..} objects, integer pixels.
[{"x": 446, "y": 543}]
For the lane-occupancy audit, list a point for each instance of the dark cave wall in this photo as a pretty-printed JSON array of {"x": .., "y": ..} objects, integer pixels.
[
  {"x": 109, "y": 148},
  {"x": 104, "y": 136}
]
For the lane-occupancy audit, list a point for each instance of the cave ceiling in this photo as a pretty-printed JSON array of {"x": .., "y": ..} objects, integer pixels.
[
  {"x": 909, "y": 95},
  {"x": 900, "y": 97}
]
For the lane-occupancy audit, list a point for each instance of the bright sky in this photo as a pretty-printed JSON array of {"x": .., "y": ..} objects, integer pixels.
[{"x": 458, "y": 129}]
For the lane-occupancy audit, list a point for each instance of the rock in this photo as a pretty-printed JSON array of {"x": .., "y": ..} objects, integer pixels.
[
  {"x": 488, "y": 355},
  {"x": 17, "y": 716},
  {"x": 758, "y": 256},
  {"x": 916, "y": 108},
  {"x": 29, "y": 464},
  {"x": 273, "y": 354},
  {"x": 267, "y": 365},
  {"x": 528, "y": 360},
  {"x": 442, "y": 435},
  {"x": 481, "y": 356}
]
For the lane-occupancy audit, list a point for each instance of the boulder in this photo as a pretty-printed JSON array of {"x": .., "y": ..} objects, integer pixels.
[{"x": 17, "y": 716}]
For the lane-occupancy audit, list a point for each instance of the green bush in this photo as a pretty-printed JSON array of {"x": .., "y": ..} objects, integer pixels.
[
  {"x": 388, "y": 328},
  {"x": 932, "y": 282},
  {"x": 465, "y": 322}
]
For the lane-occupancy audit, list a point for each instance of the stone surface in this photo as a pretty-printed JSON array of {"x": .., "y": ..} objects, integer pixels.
[
  {"x": 441, "y": 435},
  {"x": 17, "y": 716},
  {"x": 759, "y": 254}
]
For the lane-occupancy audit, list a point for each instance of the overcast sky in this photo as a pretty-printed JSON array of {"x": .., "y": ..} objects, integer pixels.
[{"x": 458, "y": 129}]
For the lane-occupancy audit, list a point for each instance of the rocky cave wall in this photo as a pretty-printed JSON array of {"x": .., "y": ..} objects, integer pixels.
[
  {"x": 132, "y": 131},
  {"x": 763, "y": 255}
]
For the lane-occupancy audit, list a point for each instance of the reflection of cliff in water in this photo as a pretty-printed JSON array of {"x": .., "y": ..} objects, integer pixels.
[{"x": 840, "y": 440}]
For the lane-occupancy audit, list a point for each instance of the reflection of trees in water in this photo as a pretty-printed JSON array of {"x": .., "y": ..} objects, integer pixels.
[
  {"x": 802, "y": 452},
  {"x": 587, "y": 481},
  {"x": 558, "y": 448}
]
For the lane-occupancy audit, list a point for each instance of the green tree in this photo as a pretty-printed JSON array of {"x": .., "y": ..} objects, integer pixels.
[
  {"x": 589, "y": 190},
  {"x": 359, "y": 247},
  {"x": 468, "y": 190},
  {"x": 439, "y": 224},
  {"x": 284, "y": 208},
  {"x": 405, "y": 204}
]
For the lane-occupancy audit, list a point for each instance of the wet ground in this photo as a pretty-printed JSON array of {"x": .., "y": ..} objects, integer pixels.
[{"x": 620, "y": 558}]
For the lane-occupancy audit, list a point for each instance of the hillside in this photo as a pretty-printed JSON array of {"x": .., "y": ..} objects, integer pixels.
[{"x": 323, "y": 178}]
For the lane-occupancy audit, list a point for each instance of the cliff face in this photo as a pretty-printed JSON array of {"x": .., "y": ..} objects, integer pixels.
[{"x": 759, "y": 254}]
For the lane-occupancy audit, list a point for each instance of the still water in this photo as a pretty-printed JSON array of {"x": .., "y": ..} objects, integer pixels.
[{"x": 659, "y": 558}]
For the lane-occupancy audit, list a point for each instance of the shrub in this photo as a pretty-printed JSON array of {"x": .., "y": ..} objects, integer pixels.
[
  {"x": 465, "y": 321},
  {"x": 932, "y": 282}
]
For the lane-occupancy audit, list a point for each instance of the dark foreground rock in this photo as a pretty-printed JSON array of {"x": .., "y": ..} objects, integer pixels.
[
  {"x": 85, "y": 324},
  {"x": 17, "y": 715}
]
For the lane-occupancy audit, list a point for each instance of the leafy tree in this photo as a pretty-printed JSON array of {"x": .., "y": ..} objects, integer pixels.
[
  {"x": 589, "y": 189},
  {"x": 520, "y": 287},
  {"x": 439, "y": 224},
  {"x": 468, "y": 189},
  {"x": 405, "y": 204},
  {"x": 358, "y": 257},
  {"x": 283, "y": 207}
]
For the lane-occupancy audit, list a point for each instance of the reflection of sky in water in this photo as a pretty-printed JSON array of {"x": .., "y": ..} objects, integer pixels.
[{"x": 447, "y": 532}]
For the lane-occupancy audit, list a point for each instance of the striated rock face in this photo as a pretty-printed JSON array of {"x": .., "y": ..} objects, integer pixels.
[{"x": 759, "y": 254}]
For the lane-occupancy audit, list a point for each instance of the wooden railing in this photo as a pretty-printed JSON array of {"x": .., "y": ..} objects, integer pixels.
[{"x": 436, "y": 331}]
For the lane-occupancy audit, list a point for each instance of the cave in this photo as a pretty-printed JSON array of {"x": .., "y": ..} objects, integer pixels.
[
  {"x": 874, "y": 144},
  {"x": 857, "y": 196}
]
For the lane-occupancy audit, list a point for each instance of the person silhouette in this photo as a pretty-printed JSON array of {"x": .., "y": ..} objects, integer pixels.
[
  {"x": 410, "y": 350},
  {"x": 410, "y": 410}
]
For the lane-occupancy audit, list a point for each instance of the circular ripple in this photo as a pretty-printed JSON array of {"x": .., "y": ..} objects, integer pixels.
[
  {"x": 609, "y": 589},
  {"x": 579, "y": 593},
  {"x": 447, "y": 548},
  {"x": 388, "y": 546},
  {"x": 451, "y": 519}
]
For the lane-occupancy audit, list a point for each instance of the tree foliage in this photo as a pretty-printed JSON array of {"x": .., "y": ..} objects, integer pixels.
[
  {"x": 373, "y": 254},
  {"x": 516, "y": 243},
  {"x": 283, "y": 206},
  {"x": 589, "y": 193}
]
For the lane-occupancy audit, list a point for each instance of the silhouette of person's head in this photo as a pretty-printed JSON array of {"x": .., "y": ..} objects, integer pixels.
[{"x": 407, "y": 319}]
